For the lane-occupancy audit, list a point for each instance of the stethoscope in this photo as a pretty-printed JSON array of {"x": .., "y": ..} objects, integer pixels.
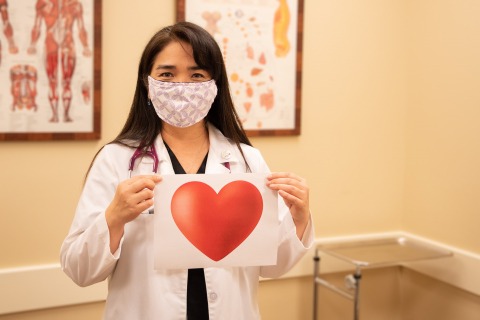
[
  {"x": 142, "y": 152},
  {"x": 152, "y": 153}
]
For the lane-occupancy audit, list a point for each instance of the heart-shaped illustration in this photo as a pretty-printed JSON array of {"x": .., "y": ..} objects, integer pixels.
[{"x": 216, "y": 224}]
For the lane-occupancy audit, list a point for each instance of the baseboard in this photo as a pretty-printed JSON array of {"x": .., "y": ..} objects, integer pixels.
[
  {"x": 46, "y": 286},
  {"x": 461, "y": 270},
  {"x": 43, "y": 286}
]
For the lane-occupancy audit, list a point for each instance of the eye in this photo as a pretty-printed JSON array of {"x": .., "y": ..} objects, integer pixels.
[
  {"x": 198, "y": 76},
  {"x": 201, "y": 75},
  {"x": 165, "y": 75}
]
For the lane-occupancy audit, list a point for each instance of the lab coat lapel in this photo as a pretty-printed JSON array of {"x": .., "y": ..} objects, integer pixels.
[
  {"x": 165, "y": 164},
  {"x": 221, "y": 152}
]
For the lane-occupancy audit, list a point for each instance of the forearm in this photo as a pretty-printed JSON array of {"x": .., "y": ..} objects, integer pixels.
[
  {"x": 300, "y": 227},
  {"x": 116, "y": 230}
]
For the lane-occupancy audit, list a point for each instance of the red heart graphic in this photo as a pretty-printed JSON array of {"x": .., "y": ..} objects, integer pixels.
[{"x": 214, "y": 223}]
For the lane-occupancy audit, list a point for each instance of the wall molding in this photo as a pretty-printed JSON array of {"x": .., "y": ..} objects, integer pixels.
[
  {"x": 43, "y": 286},
  {"x": 46, "y": 286},
  {"x": 461, "y": 270}
]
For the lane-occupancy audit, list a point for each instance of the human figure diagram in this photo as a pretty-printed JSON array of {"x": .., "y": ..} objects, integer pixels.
[
  {"x": 7, "y": 29},
  {"x": 59, "y": 17}
]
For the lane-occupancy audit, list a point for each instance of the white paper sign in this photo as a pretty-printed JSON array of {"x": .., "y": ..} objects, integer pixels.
[{"x": 213, "y": 220}]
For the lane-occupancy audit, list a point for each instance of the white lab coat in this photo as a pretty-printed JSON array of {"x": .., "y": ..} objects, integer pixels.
[{"x": 135, "y": 290}]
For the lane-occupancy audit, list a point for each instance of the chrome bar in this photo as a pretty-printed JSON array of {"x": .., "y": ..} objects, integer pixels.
[{"x": 332, "y": 287}]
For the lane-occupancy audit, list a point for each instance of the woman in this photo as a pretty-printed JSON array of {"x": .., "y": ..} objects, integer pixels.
[{"x": 111, "y": 238}]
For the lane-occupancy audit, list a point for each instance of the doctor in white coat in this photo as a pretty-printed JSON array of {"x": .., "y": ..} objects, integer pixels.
[{"x": 182, "y": 120}]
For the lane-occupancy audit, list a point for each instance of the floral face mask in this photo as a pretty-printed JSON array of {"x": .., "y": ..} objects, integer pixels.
[{"x": 181, "y": 104}]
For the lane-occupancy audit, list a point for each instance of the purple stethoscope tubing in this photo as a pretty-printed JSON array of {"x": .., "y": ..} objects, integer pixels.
[
  {"x": 152, "y": 153},
  {"x": 144, "y": 152}
]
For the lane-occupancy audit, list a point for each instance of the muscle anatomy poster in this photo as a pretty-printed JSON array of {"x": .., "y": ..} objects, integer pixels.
[{"x": 46, "y": 66}]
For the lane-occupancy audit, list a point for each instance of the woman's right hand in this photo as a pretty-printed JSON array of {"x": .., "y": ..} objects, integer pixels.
[{"x": 132, "y": 197}]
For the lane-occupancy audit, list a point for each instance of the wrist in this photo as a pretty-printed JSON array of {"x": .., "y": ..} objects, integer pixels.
[
  {"x": 114, "y": 223},
  {"x": 302, "y": 220}
]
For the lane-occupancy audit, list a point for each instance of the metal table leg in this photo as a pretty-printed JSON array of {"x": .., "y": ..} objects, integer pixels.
[
  {"x": 352, "y": 282},
  {"x": 356, "y": 309},
  {"x": 316, "y": 271}
]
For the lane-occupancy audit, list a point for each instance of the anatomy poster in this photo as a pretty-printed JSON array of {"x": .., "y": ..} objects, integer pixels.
[
  {"x": 47, "y": 52},
  {"x": 259, "y": 40},
  {"x": 215, "y": 220}
]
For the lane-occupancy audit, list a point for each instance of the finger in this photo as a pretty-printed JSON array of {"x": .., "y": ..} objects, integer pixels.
[
  {"x": 154, "y": 177},
  {"x": 144, "y": 182},
  {"x": 288, "y": 184},
  {"x": 285, "y": 178},
  {"x": 141, "y": 196},
  {"x": 291, "y": 191},
  {"x": 137, "y": 209},
  {"x": 143, "y": 206},
  {"x": 297, "y": 206},
  {"x": 289, "y": 198},
  {"x": 277, "y": 175},
  {"x": 296, "y": 188}
]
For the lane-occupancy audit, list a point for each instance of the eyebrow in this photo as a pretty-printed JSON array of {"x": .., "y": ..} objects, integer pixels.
[{"x": 171, "y": 67}]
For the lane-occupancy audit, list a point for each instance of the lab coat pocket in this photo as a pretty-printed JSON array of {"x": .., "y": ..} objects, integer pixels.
[{"x": 140, "y": 230}]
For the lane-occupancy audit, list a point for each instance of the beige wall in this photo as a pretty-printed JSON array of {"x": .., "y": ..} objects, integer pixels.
[
  {"x": 426, "y": 298},
  {"x": 389, "y": 127},
  {"x": 443, "y": 181}
]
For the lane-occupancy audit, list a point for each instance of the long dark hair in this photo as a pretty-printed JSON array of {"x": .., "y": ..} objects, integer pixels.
[{"x": 143, "y": 125}]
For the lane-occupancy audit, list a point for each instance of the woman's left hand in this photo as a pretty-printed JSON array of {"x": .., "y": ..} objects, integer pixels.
[{"x": 295, "y": 192}]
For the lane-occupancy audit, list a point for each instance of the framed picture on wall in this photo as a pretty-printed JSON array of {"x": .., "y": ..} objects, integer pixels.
[
  {"x": 50, "y": 55},
  {"x": 261, "y": 42}
]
